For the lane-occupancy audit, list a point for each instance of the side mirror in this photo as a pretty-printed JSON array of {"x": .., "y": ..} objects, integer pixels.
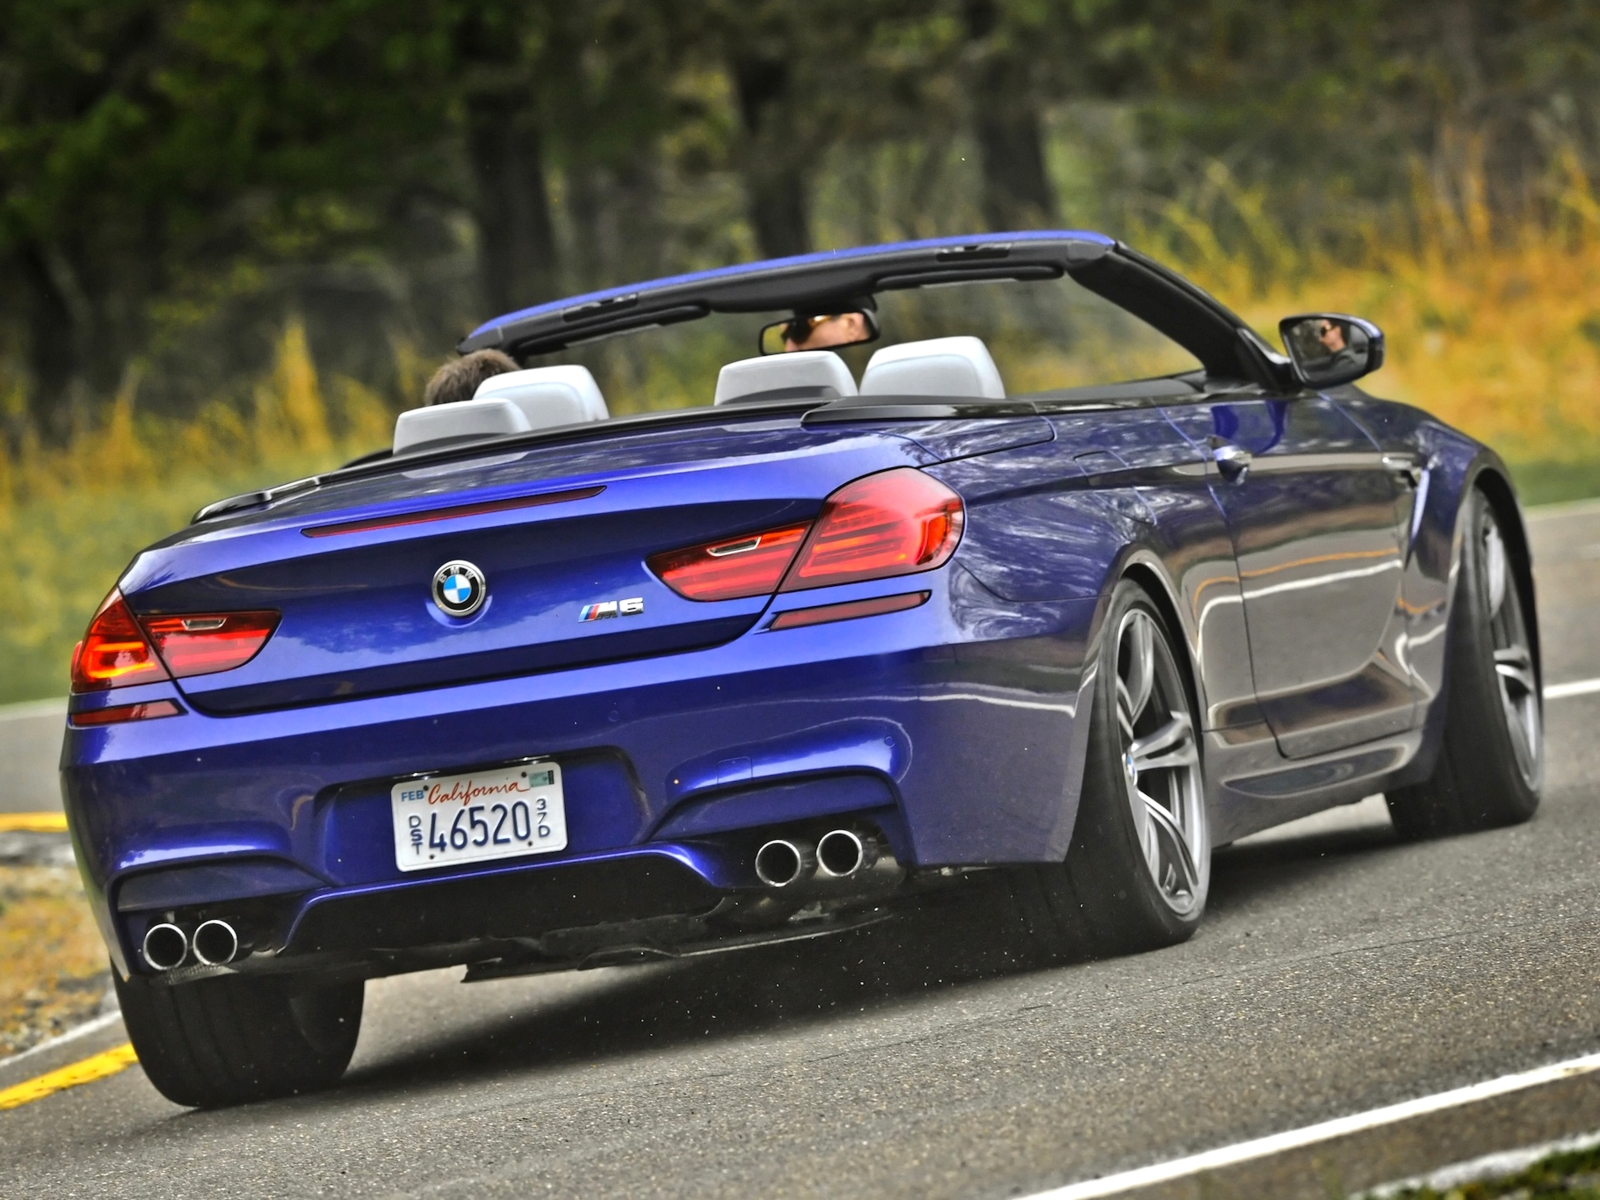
[
  {"x": 823, "y": 331},
  {"x": 1328, "y": 349}
]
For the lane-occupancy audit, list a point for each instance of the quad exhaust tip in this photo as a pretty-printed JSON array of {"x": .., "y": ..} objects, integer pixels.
[
  {"x": 165, "y": 946},
  {"x": 842, "y": 853},
  {"x": 781, "y": 862},
  {"x": 215, "y": 943}
]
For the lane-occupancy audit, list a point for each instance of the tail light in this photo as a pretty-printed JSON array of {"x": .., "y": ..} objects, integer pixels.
[
  {"x": 897, "y": 522},
  {"x": 120, "y": 650},
  {"x": 732, "y": 568},
  {"x": 204, "y": 643},
  {"x": 114, "y": 653},
  {"x": 893, "y": 523}
]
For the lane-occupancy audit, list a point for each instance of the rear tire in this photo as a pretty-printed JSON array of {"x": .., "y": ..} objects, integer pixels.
[
  {"x": 1139, "y": 866},
  {"x": 230, "y": 1040},
  {"x": 1491, "y": 763}
]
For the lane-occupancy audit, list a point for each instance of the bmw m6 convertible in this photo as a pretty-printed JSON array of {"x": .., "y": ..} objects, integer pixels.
[{"x": 761, "y": 603}]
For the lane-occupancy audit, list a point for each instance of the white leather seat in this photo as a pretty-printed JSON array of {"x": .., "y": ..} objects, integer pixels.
[
  {"x": 515, "y": 402},
  {"x": 803, "y": 375},
  {"x": 549, "y": 396},
  {"x": 466, "y": 420},
  {"x": 950, "y": 366}
]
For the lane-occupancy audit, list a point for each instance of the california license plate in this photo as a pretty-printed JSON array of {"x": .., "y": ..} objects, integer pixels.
[{"x": 504, "y": 813}]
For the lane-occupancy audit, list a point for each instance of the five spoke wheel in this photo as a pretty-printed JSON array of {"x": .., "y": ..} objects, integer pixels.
[
  {"x": 1139, "y": 867},
  {"x": 1161, "y": 763}
]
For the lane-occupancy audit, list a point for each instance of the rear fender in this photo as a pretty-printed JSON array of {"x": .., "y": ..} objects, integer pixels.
[{"x": 1141, "y": 564}]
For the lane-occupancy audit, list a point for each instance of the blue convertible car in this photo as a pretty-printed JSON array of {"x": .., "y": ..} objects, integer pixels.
[{"x": 1063, "y": 575}]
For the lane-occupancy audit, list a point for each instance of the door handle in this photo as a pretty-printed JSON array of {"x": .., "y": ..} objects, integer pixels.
[
  {"x": 1404, "y": 466},
  {"x": 1233, "y": 461}
]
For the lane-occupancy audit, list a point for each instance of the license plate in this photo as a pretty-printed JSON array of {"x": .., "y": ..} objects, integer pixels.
[{"x": 504, "y": 813}]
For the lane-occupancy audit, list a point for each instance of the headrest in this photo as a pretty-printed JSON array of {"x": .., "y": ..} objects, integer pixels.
[
  {"x": 549, "y": 395},
  {"x": 458, "y": 422},
  {"x": 802, "y": 375},
  {"x": 951, "y": 366}
]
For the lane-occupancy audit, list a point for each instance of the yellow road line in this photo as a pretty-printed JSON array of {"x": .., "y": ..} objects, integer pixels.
[
  {"x": 41, "y": 822},
  {"x": 87, "y": 1071}
]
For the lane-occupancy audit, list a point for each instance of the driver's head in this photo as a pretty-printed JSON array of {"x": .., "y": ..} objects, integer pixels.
[
  {"x": 1331, "y": 335},
  {"x": 824, "y": 330},
  {"x": 818, "y": 331}
]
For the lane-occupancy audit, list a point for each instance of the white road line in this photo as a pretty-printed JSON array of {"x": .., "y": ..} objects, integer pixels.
[
  {"x": 104, "y": 1021},
  {"x": 1579, "y": 687},
  {"x": 1294, "y": 1139}
]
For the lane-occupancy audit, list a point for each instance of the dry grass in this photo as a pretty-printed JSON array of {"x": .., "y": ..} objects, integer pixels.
[
  {"x": 1495, "y": 331},
  {"x": 1504, "y": 344},
  {"x": 71, "y": 518},
  {"x": 53, "y": 972}
]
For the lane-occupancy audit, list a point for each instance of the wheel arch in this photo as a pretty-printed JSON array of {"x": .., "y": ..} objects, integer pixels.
[
  {"x": 1494, "y": 482},
  {"x": 1144, "y": 571},
  {"x": 1138, "y": 564},
  {"x": 1488, "y": 475}
]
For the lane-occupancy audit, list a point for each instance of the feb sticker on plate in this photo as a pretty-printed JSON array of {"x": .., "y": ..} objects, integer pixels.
[{"x": 504, "y": 813}]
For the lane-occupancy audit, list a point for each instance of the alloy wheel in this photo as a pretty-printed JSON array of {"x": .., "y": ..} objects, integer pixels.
[{"x": 1161, "y": 763}]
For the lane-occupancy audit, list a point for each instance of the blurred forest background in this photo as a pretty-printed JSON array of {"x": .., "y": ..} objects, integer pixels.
[{"x": 237, "y": 235}]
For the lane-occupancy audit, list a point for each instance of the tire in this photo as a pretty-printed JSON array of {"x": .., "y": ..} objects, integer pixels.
[
  {"x": 1139, "y": 866},
  {"x": 1491, "y": 762},
  {"x": 216, "y": 1042}
]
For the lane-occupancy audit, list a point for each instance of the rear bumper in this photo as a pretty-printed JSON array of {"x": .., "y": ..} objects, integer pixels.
[{"x": 952, "y": 724}]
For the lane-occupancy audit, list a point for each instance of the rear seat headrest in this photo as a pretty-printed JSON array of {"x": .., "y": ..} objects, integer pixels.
[
  {"x": 802, "y": 375},
  {"x": 950, "y": 366},
  {"x": 549, "y": 395},
  {"x": 516, "y": 402},
  {"x": 466, "y": 420}
]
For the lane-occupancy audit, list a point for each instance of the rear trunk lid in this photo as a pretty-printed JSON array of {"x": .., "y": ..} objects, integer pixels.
[{"x": 559, "y": 533}]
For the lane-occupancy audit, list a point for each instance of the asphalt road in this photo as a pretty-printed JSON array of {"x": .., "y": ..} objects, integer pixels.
[
  {"x": 1337, "y": 971},
  {"x": 30, "y": 750}
]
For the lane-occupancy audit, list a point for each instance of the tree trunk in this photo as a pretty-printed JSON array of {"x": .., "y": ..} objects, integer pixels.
[
  {"x": 54, "y": 330},
  {"x": 774, "y": 161},
  {"x": 516, "y": 240},
  {"x": 1016, "y": 190},
  {"x": 1016, "y": 187}
]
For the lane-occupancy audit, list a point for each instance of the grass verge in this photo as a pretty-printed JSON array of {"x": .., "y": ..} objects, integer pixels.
[
  {"x": 1546, "y": 482},
  {"x": 1575, "y": 1174},
  {"x": 53, "y": 972}
]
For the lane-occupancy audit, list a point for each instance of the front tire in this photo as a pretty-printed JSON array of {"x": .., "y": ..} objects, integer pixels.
[
  {"x": 230, "y": 1040},
  {"x": 1139, "y": 866},
  {"x": 1491, "y": 764}
]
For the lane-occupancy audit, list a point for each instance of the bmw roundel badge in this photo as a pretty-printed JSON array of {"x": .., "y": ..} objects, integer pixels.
[{"x": 459, "y": 588}]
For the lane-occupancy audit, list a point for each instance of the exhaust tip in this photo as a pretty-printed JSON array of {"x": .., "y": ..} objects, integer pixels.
[
  {"x": 165, "y": 946},
  {"x": 216, "y": 943},
  {"x": 780, "y": 863},
  {"x": 842, "y": 853}
]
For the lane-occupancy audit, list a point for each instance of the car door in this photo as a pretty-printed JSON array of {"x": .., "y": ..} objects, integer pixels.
[{"x": 1312, "y": 509}]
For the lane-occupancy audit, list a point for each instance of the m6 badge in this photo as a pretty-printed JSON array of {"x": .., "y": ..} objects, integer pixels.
[{"x": 633, "y": 606}]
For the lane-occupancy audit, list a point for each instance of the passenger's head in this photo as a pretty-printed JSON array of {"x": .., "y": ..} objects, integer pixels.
[{"x": 459, "y": 378}]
